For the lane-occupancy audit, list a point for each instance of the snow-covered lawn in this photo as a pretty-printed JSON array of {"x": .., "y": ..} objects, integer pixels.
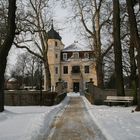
[
  {"x": 34, "y": 122},
  {"x": 116, "y": 122},
  {"x": 27, "y": 123}
]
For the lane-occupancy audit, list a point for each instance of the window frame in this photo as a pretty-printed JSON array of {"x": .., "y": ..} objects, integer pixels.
[
  {"x": 86, "y": 70},
  {"x": 56, "y": 55},
  {"x": 86, "y": 55},
  {"x": 65, "y": 56},
  {"x": 56, "y": 70},
  {"x": 65, "y": 71},
  {"x": 86, "y": 85},
  {"x": 76, "y": 55},
  {"x": 56, "y": 44},
  {"x": 76, "y": 69}
]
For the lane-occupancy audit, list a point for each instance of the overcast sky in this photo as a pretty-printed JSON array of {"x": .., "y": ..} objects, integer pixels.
[{"x": 60, "y": 18}]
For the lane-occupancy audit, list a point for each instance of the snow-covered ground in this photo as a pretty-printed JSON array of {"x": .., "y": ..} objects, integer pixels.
[
  {"x": 34, "y": 122},
  {"x": 116, "y": 122},
  {"x": 28, "y": 123}
]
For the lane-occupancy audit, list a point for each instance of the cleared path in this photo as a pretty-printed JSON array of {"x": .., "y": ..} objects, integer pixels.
[{"x": 74, "y": 123}]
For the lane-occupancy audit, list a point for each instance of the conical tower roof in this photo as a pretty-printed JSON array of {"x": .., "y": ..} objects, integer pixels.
[{"x": 52, "y": 34}]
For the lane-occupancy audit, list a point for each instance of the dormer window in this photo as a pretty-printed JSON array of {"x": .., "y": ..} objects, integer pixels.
[
  {"x": 86, "y": 55},
  {"x": 64, "y": 56},
  {"x": 75, "y": 55}
]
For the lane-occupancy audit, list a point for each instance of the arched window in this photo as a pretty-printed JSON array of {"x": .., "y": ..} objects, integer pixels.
[
  {"x": 75, "y": 55},
  {"x": 86, "y": 55},
  {"x": 64, "y": 56}
]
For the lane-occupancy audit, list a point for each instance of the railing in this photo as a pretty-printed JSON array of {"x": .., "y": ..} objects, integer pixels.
[
  {"x": 76, "y": 75},
  {"x": 75, "y": 72}
]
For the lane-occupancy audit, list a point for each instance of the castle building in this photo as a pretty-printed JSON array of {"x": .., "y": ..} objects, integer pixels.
[{"x": 72, "y": 64}]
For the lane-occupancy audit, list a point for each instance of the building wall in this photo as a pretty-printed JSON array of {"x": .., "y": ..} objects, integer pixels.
[
  {"x": 55, "y": 60},
  {"x": 81, "y": 77},
  {"x": 54, "y": 49}
]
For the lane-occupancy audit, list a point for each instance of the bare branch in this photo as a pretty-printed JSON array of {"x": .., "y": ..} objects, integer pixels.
[
  {"x": 30, "y": 51},
  {"x": 82, "y": 19},
  {"x": 107, "y": 50},
  {"x": 106, "y": 21}
]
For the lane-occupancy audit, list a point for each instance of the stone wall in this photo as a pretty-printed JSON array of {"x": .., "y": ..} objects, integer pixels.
[
  {"x": 97, "y": 96},
  {"x": 34, "y": 97}
]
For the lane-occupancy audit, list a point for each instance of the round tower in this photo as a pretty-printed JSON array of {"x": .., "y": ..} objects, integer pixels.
[{"x": 55, "y": 46}]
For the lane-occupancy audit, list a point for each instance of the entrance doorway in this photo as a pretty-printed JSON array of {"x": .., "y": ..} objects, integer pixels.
[{"x": 76, "y": 87}]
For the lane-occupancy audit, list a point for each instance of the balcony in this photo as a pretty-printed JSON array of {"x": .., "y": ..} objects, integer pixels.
[
  {"x": 75, "y": 69},
  {"x": 76, "y": 73}
]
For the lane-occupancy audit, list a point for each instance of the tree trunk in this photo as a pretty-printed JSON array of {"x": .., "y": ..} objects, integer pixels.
[
  {"x": 138, "y": 59},
  {"x": 4, "y": 49},
  {"x": 47, "y": 75},
  {"x": 99, "y": 59},
  {"x": 136, "y": 40},
  {"x": 133, "y": 83},
  {"x": 99, "y": 71},
  {"x": 2, "y": 71},
  {"x": 117, "y": 49}
]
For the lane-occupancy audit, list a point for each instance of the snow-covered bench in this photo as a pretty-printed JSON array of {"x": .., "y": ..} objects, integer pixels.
[{"x": 128, "y": 100}]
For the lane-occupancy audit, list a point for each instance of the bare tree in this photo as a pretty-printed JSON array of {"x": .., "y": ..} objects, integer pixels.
[
  {"x": 135, "y": 38},
  {"x": 3, "y": 18},
  {"x": 33, "y": 33},
  {"x": 92, "y": 17},
  {"x": 25, "y": 68},
  {"x": 6, "y": 46}
]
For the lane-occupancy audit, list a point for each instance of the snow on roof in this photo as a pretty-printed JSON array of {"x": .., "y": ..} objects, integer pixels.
[
  {"x": 12, "y": 80},
  {"x": 76, "y": 47}
]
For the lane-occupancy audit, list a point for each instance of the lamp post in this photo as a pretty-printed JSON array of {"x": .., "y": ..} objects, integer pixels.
[{"x": 40, "y": 82}]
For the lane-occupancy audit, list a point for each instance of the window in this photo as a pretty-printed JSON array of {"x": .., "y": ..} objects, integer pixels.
[
  {"x": 86, "y": 69},
  {"x": 86, "y": 84},
  {"x": 86, "y": 55},
  {"x": 56, "y": 70},
  {"x": 76, "y": 69},
  {"x": 56, "y": 55},
  {"x": 76, "y": 55},
  {"x": 55, "y": 43},
  {"x": 64, "y": 56},
  {"x": 65, "y": 69},
  {"x": 65, "y": 84}
]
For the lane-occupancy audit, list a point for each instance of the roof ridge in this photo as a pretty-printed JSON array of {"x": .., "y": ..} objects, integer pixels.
[{"x": 73, "y": 47}]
